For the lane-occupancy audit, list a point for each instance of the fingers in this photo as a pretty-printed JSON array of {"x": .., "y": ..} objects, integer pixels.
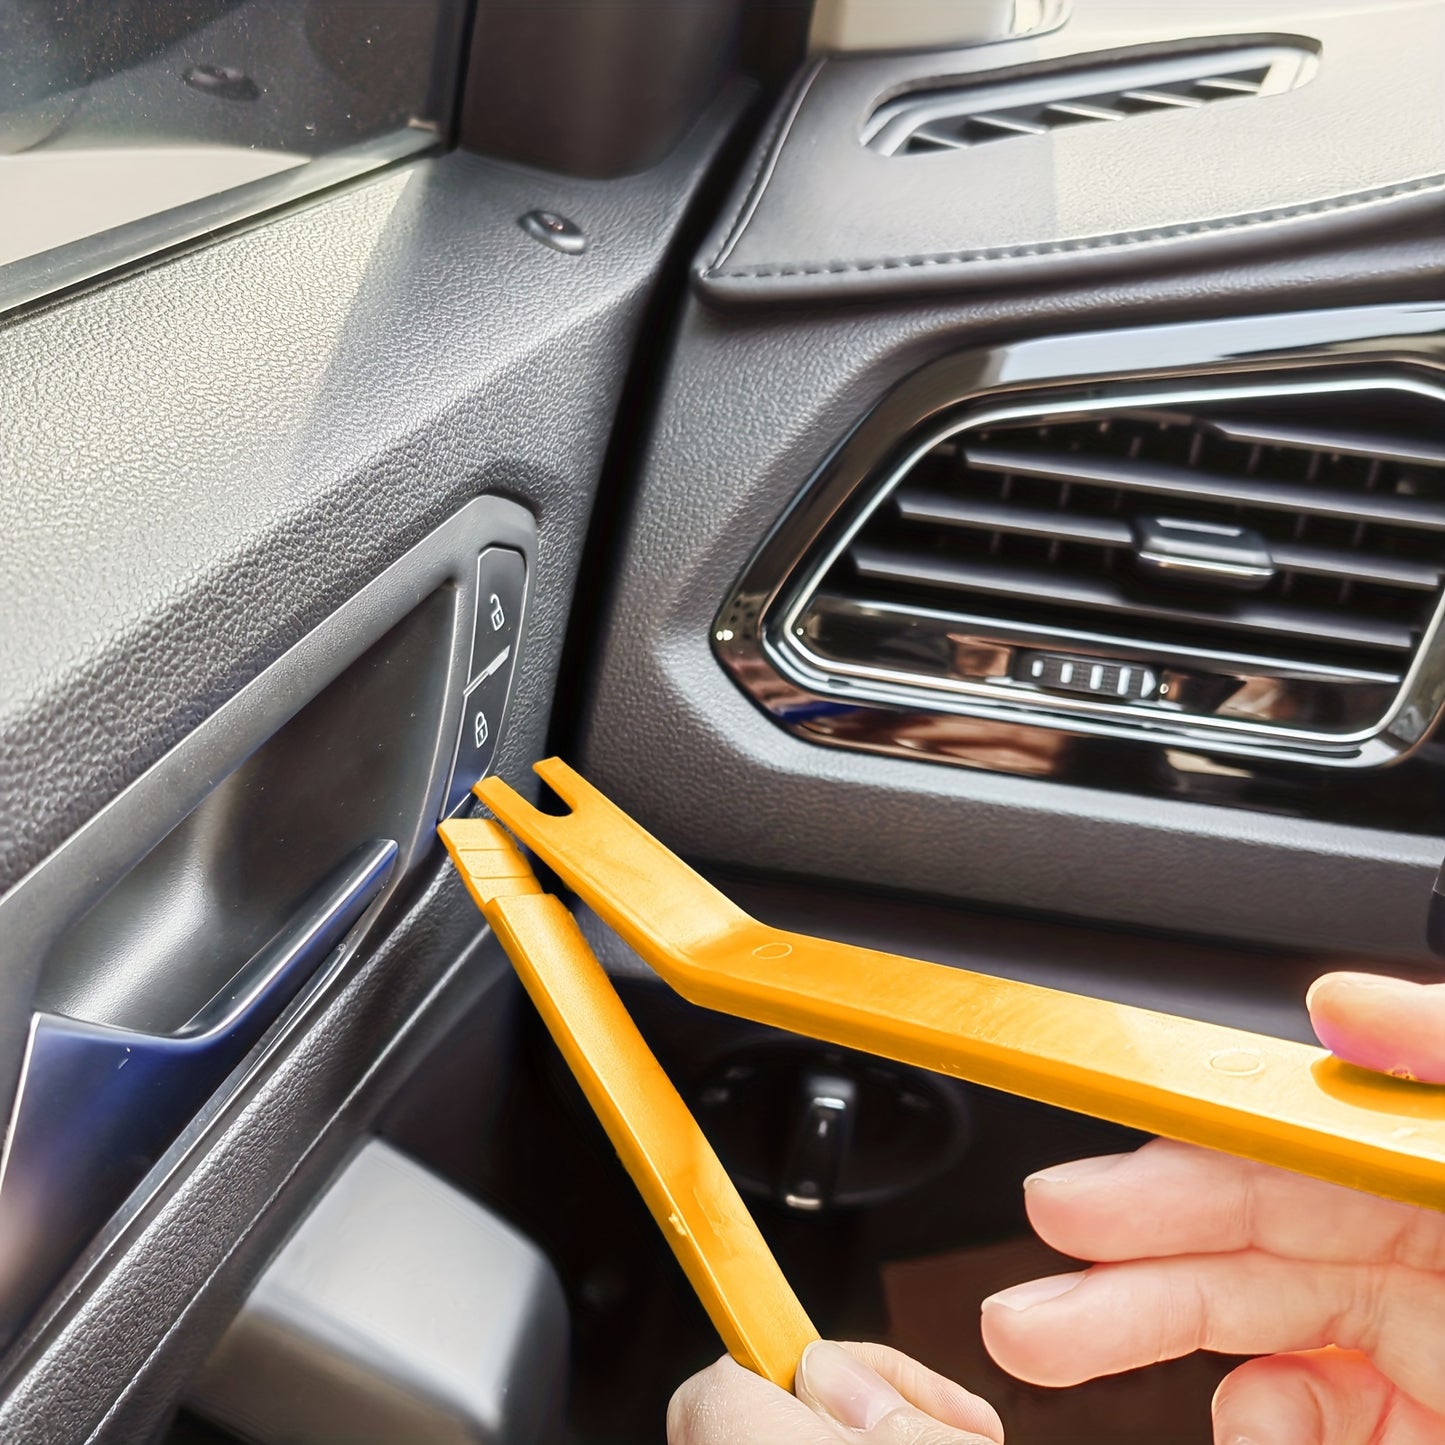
[
  {"x": 1118, "y": 1316},
  {"x": 728, "y": 1405},
  {"x": 1383, "y": 1024},
  {"x": 926, "y": 1394},
  {"x": 1327, "y": 1397},
  {"x": 1172, "y": 1198},
  {"x": 845, "y": 1393}
]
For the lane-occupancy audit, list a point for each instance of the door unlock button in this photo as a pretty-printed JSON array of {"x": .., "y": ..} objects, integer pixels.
[{"x": 501, "y": 583}]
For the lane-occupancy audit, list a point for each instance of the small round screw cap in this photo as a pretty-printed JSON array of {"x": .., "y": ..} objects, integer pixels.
[{"x": 555, "y": 231}]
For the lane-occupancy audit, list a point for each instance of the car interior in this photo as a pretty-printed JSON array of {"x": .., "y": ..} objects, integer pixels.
[{"x": 968, "y": 476}]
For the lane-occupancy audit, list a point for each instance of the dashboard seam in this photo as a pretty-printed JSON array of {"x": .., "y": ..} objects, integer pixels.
[
  {"x": 764, "y": 168},
  {"x": 1117, "y": 241}
]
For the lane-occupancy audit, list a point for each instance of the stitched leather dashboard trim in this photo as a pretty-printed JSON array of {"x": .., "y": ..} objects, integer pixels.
[{"x": 1356, "y": 152}]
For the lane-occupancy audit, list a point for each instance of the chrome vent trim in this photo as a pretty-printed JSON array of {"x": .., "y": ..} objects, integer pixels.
[
  {"x": 1010, "y": 531},
  {"x": 981, "y": 110}
]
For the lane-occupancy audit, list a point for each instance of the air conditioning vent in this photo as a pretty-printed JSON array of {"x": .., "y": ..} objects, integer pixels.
[
  {"x": 977, "y": 112},
  {"x": 1258, "y": 559}
]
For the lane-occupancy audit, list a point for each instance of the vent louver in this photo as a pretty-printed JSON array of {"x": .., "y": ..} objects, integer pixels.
[
  {"x": 977, "y": 112},
  {"x": 1257, "y": 558}
]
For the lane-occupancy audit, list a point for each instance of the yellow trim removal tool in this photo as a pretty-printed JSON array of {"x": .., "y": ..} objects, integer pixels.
[
  {"x": 689, "y": 1193},
  {"x": 1262, "y": 1098}
]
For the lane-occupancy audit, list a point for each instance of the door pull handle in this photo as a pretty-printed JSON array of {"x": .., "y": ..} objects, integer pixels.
[{"x": 98, "y": 1105}]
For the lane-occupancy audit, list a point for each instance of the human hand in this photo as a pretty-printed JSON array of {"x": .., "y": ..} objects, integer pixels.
[
  {"x": 847, "y": 1392},
  {"x": 1341, "y": 1293}
]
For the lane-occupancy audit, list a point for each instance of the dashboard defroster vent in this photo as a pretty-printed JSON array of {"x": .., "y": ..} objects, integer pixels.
[
  {"x": 1258, "y": 561},
  {"x": 980, "y": 110}
]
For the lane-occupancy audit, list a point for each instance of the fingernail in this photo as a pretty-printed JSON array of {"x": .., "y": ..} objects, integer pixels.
[
  {"x": 1235, "y": 1437},
  {"x": 845, "y": 1387},
  {"x": 1079, "y": 1169},
  {"x": 1035, "y": 1292},
  {"x": 1363, "y": 981}
]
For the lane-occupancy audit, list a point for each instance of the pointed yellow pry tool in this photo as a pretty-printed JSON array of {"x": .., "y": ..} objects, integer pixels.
[{"x": 689, "y": 1193}]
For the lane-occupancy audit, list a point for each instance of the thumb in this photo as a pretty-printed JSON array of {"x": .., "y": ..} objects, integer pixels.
[
  {"x": 1381, "y": 1023},
  {"x": 1320, "y": 1397},
  {"x": 860, "y": 1387}
]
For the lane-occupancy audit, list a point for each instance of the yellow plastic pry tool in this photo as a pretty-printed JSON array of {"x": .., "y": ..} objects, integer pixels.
[
  {"x": 1262, "y": 1098},
  {"x": 726, "y": 1260}
]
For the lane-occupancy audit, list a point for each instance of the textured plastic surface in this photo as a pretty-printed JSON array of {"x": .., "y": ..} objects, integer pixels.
[
  {"x": 695, "y": 1204},
  {"x": 1267, "y": 1099}
]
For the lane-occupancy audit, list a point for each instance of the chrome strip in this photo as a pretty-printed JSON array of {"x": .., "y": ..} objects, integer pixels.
[
  {"x": 35, "y": 278},
  {"x": 768, "y": 641}
]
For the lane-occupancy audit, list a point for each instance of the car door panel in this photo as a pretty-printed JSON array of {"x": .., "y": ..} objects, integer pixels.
[{"x": 207, "y": 459}]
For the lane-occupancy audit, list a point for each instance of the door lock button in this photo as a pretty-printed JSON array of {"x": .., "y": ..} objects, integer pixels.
[{"x": 482, "y": 709}]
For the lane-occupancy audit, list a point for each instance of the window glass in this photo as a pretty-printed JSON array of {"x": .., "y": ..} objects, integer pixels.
[{"x": 126, "y": 125}]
